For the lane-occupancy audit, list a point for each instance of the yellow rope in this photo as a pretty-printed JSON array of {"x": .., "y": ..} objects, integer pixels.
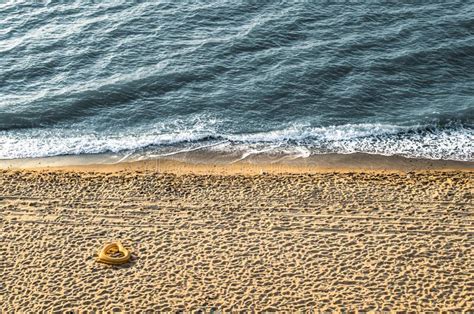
[{"x": 106, "y": 254}]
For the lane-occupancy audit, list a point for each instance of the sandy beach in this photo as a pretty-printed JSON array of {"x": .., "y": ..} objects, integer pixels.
[{"x": 237, "y": 238}]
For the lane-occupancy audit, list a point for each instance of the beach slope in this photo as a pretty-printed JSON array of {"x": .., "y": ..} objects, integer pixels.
[{"x": 271, "y": 241}]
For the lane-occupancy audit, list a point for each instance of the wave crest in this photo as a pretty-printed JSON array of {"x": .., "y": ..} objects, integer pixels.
[{"x": 453, "y": 141}]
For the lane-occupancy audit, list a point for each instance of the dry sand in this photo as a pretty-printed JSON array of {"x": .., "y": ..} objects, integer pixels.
[{"x": 323, "y": 241}]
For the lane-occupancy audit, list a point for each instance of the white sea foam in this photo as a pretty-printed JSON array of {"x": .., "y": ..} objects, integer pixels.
[{"x": 452, "y": 142}]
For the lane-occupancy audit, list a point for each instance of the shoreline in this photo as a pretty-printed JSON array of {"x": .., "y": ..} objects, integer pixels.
[{"x": 211, "y": 163}]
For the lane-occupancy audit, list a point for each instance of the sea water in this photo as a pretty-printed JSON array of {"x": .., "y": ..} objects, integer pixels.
[{"x": 298, "y": 78}]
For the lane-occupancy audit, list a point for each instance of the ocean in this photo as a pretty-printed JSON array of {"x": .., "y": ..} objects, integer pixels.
[{"x": 299, "y": 78}]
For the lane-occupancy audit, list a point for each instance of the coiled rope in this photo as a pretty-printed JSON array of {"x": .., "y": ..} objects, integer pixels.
[{"x": 114, "y": 254}]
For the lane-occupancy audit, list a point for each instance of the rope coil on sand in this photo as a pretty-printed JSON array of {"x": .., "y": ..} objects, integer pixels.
[{"x": 107, "y": 254}]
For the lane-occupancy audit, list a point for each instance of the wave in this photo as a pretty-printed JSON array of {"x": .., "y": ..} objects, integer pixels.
[
  {"x": 272, "y": 78},
  {"x": 451, "y": 141}
]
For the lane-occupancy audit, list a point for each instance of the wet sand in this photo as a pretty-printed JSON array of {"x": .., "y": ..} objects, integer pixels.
[{"x": 237, "y": 238}]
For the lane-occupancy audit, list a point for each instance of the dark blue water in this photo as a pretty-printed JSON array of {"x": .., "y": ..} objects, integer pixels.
[{"x": 298, "y": 78}]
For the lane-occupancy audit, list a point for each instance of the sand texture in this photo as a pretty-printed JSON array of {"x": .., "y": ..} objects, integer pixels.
[{"x": 327, "y": 241}]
